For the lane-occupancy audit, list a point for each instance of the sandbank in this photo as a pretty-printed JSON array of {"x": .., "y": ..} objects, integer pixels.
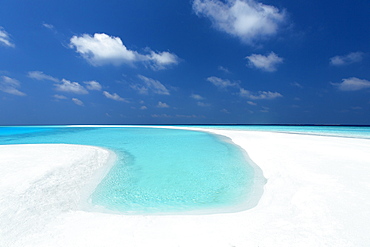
[{"x": 317, "y": 194}]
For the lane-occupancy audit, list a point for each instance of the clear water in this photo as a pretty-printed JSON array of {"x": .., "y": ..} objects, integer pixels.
[
  {"x": 166, "y": 171},
  {"x": 158, "y": 170}
]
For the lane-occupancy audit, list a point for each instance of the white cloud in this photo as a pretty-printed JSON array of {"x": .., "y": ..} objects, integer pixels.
[
  {"x": 352, "y": 84},
  {"x": 93, "y": 85},
  {"x": 221, "y": 83},
  {"x": 261, "y": 95},
  {"x": 150, "y": 84},
  {"x": 143, "y": 107},
  {"x": 38, "y": 75},
  {"x": 102, "y": 49},
  {"x": 4, "y": 38},
  {"x": 159, "y": 61},
  {"x": 77, "y": 102},
  {"x": 353, "y": 57},
  {"x": 188, "y": 116},
  {"x": 70, "y": 87},
  {"x": 58, "y": 96},
  {"x": 266, "y": 63},
  {"x": 176, "y": 116},
  {"x": 48, "y": 26},
  {"x": 141, "y": 89},
  {"x": 10, "y": 85},
  {"x": 196, "y": 96},
  {"x": 114, "y": 96},
  {"x": 251, "y": 103},
  {"x": 199, "y": 103},
  {"x": 161, "y": 116},
  {"x": 265, "y": 109},
  {"x": 162, "y": 105},
  {"x": 222, "y": 68},
  {"x": 246, "y": 19},
  {"x": 65, "y": 85},
  {"x": 296, "y": 84}
]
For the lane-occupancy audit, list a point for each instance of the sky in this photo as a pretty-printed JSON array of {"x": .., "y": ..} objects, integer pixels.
[{"x": 184, "y": 62}]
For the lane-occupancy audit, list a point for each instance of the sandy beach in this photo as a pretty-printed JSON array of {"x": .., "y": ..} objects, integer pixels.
[{"x": 317, "y": 194}]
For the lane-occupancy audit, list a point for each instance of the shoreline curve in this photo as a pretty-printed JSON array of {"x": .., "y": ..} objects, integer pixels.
[{"x": 317, "y": 194}]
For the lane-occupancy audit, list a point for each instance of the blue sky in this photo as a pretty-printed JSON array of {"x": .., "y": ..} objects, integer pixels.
[{"x": 181, "y": 61}]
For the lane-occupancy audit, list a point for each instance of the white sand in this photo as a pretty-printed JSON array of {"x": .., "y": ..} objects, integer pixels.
[{"x": 317, "y": 194}]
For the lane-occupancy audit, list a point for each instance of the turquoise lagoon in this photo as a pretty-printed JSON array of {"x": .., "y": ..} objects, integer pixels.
[
  {"x": 165, "y": 171},
  {"x": 158, "y": 171}
]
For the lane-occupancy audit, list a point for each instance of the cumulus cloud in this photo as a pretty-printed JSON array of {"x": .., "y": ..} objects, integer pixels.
[
  {"x": 114, "y": 96},
  {"x": 10, "y": 86},
  {"x": 93, "y": 85},
  {"x": 221, "y": 83},
  {"x": 248, "y": 20},
  {"x": 102, "y": 49},
  {"x": 162, "y": 105},
  {"x": 77, "y": 102},
  {"x": 352, "y": 84},
  {"x": 353, "y": 57},
  {"x": 38, "y": 75},
  {"x": 5, "y": 38},
  {"x": 150, "y": 85},
  {"x": 159, "y": 61},
  {"x": 266, "y": 63},
  {"x": 261, "y": 95},
  {"x": 70, "y": 87}
]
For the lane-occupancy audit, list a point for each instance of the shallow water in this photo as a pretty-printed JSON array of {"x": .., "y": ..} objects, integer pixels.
[
  {"x": 169, "y": 171},
  {"x": 158, "y": 170}
]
